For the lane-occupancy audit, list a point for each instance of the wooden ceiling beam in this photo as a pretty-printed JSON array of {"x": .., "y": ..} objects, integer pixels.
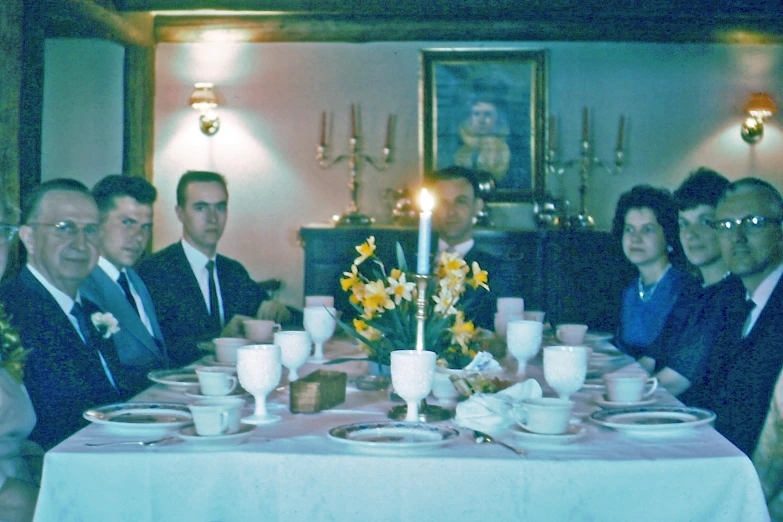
[
  {"x": 89, "y": 19},
  {"x": 310, "y": 28}
]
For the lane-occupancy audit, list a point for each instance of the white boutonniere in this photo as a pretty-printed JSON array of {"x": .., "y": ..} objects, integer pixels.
[{"x": 106, "y": 324}]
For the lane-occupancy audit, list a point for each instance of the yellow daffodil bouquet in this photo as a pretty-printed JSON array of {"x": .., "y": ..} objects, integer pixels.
[{"x": 386, "y": 306}]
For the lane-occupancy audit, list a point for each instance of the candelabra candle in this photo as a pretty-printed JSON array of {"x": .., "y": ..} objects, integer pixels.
[
  {"x": 552, "y": 138},
  {"x": 585, "y": 125},
  {"x": 620, "y": 133},
  {"x": 426, "y": 203}
]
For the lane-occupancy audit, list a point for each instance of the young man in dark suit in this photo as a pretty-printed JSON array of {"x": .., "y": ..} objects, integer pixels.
[
  {"x": 125, "y": 206},
  {"x": 198, "y": 293},
  {"x": 454, "y": 215},
  {"x": 73, "y": 364}
]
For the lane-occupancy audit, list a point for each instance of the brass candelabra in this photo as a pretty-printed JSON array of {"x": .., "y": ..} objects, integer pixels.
[{"x": 356, "y": 159}]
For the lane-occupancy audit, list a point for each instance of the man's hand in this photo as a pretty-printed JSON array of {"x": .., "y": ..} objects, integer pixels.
[
  {"x": 274, "y": 311},
  {"x": 235, "y": 328}
]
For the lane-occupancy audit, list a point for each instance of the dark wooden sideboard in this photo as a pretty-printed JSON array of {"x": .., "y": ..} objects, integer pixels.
[{"x": 574, "y": 275}]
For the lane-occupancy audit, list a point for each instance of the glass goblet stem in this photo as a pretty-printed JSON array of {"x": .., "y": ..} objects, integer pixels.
[{"x": 412, "y": 414}]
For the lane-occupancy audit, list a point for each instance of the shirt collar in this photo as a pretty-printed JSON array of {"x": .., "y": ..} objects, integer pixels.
[
  {"x": 108, "y": 267},
  {"x": 462, "y": 248},
  {"x": 63, "y": 300},
  {"x": 196, "y": 258},
  {"x": 764, "y": 290}
]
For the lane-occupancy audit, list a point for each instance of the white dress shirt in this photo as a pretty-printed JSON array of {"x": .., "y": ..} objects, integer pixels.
[
  {"x": 114, "y": 274},
  {"x": 198, "y": 263}
]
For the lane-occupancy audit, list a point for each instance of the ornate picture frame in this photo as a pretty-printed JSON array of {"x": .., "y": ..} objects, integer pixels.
[{"x": 486, "y": 109}]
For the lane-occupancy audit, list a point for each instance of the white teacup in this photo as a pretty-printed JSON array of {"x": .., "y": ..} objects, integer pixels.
[
  {"x": 501, "y": 323},
  {"x": 629, "y": 387},
  {"x": 534, "y": 315},
  {"x": 260, "y": 330},
  {"x": 510, "y": 305},
  {"x": 545, "y": 415},
  {"x": 572, "y": 334},
  {"x": 215, "y": 381},
  {"x": 226, "y": 348},
  {"x": 210, "y": 419},
  {"x": 232, "y": 405},
  {"x": 319, "y": 300}
]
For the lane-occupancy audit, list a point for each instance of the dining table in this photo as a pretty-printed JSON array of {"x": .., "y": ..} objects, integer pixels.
[{"x": 295, "y": 470}]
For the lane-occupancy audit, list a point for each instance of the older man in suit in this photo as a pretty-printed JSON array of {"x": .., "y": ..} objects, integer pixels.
[
  {"x": 125, "y": 206},
  {"x": 72, "y": 365},
  {"x": 747, "y": 358},
  {"x": 198, "y": 293}
]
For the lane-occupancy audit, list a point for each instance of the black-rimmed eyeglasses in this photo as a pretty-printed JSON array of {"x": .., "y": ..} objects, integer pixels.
[
  {"x": 749, "y": 224},
  {"x": 70, "y": 230}
]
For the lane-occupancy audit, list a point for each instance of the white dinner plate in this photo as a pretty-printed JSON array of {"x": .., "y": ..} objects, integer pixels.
[
  {"x": 189, "y": 434},
  {"x": 595, "y": 383},
  {"x": 604, "y": 402},
  {"x": 597, "y": 337},
  {"x": 574, "y": 432},
  {"x": 179, "y": 380},
  {"x": 653, "y": 420},
  {"x": 146, "y": 418},
  {"x": 392, "y": 436},
  {"x": 238, "y": 392},
  {"x": 209, "y": 360}
]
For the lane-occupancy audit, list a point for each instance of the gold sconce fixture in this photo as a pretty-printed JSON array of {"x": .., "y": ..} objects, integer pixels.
[
  {"x": 759, "y": 107},
  {"x": 205, "y": 102}
]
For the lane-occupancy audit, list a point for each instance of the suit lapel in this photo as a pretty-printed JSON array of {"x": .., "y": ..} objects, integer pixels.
[{"x": 191, "y": 291}]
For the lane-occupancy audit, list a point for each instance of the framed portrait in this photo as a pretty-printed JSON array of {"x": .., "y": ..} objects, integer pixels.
[{"x": 485, "y": 109}]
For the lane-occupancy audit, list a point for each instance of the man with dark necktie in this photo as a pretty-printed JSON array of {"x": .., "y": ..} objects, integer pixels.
[
  {"x": 125, "y": 206},
  {"x": 73, "y": 365},
  {"x": 745, "y": 363},
  {"x": 198, "y": 293}
]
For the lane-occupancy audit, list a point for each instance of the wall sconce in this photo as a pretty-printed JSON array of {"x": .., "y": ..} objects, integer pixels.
[
  {"x": 759, "y": 107},
  {"x": 205, "y": 102}
]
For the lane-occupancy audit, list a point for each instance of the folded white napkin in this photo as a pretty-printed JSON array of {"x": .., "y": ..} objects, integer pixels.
[
  {"x": 488, "y": 411},
  {"x": 483, "y": 362}
]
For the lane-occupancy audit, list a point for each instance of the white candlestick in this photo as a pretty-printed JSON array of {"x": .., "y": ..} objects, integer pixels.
[{"x": 425, "y": 228}]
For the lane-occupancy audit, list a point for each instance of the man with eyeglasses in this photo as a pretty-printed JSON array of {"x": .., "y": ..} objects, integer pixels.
[
  {"x": 71, "y": 365},
  {"x": 745, "y": 363},
  {"x": 125, "y": 206}
]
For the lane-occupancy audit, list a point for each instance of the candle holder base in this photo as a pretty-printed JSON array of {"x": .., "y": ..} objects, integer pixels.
[
  {"x": 354, "y": 219},
  {"x": 583, "y": 221},
  {"x": 427, "y": 412}
]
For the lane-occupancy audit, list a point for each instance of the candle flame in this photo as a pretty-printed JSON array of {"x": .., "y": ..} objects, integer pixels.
[{"x": 426, "y": 201}]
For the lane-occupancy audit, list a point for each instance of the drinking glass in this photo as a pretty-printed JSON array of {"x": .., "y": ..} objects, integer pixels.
[
  {"x": 412, "y": 373},
  {"x": 294, "y": 351},
  {"x": 523, "y": 339},
  {"x": 259, "y": 371},
  {"x": 319, "y": 322},
  {"x": 565, "y": 368}
]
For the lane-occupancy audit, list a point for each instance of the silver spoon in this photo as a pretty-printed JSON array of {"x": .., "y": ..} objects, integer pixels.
[
  {"x": 144, "y": 443},
  {"x": 481, "y": 438}
]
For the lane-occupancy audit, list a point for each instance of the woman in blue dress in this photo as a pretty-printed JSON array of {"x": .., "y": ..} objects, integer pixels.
[{"x": 646, "y": 223}]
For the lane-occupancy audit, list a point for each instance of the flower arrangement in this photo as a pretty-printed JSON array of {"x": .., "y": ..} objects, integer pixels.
[
  {"x": 386, "y": 303},
  {"x": 12, "y": 354},
  {"x": 106, "y": 324}
]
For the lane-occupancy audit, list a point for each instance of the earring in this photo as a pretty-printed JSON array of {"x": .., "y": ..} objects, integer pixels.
[{"x": 669, "y": 248}]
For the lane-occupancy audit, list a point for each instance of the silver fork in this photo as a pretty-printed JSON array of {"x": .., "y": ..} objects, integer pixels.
[{"x": 144, "y": 443}]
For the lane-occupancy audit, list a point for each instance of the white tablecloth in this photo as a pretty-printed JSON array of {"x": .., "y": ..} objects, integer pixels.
[{"x": 292, "y": 471}]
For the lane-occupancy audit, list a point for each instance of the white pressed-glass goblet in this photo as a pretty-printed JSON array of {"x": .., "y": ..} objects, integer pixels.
[
  {"x": 412, "y": 372},
  {"x": 523, "y": 339},
  {"x": 295, "y": 348},
  {"x": 319, "y": 322},
  {"x": 565, "y": 368},
  {"x": 259, "y": 371}
]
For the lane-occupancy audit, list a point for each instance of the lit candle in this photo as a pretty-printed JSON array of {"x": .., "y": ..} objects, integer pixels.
[
  {"x": 584, "y": 125},
  {"x": 353, "y": 121},
  {"x": 552, "y": 139},
  {"x": 620, "y": 133},
  {"x": 426, "y": 202},
  {"x": 323, "y": 128},
  {"x": 388, "y": 132}
]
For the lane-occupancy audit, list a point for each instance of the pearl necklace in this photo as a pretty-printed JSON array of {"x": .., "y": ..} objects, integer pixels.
[{"x": 646, "y": 293}]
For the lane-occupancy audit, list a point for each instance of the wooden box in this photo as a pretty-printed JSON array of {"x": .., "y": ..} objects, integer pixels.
[{"x": 320, "y": 390}]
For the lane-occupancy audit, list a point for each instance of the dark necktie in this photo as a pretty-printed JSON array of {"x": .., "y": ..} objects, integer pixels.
[
  {"x": 91, "y": 340},
  {"x": 123, "y": 282},
  {"x": 214, "y": 305},
  {"x": 750, "y": 305}
]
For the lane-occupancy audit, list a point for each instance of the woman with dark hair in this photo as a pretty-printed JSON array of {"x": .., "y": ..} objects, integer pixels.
[
  {"x": 19, "y": 459},
  {"x": 646, "y": 223}
]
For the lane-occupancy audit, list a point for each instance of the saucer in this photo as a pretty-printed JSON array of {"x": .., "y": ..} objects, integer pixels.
[
  {"x": 209, "y": 360},
  {"x": 604, "y": 402},
  {"x": 573, "y": 433},
  {"x": 241, "y": 393},
  {"x": 189, "y": 434}
]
